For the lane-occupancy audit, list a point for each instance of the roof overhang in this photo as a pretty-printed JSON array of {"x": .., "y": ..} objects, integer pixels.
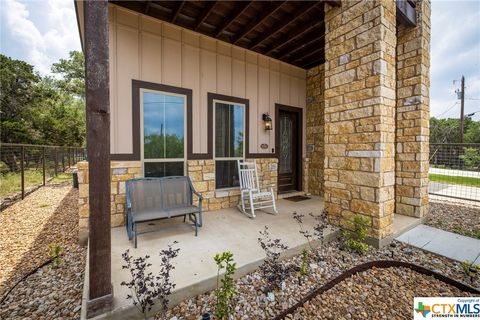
[{"x": 290, "y": 31}]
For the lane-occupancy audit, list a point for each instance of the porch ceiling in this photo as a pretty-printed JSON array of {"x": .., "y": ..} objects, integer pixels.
[{"x": 291, "y": 31}]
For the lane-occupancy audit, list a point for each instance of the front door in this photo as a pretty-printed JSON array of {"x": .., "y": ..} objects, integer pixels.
[{"x": 289, "y": 147}]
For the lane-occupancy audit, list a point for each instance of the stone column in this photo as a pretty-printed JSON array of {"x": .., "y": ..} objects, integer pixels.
[
  {"x": 360, "y": 41},
  {"x": 315, "y": 130},
  {"x": 413, "y": 82}
]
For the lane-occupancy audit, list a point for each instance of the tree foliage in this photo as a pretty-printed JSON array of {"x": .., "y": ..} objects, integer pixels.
[
  {"x": 43, "y": 110},
  {"x": 448, "y": 130}
]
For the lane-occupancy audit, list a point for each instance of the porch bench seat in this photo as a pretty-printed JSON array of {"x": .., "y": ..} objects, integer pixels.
[{"x": 151, "y": 199}]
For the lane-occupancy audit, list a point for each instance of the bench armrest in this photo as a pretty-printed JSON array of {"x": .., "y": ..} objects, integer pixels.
[{"x": 198, "y": 194}]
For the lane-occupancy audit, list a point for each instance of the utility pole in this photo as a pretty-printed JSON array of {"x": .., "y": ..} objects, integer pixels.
[{"x": 462, "y": 104}]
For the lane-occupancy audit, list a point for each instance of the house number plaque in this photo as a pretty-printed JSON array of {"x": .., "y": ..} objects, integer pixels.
[{"x": 264, "y": 146}]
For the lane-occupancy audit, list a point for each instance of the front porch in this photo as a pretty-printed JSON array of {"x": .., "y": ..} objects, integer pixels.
[
  {"x": 224, "y": 230},
  {"x": 195, "y": 271}
]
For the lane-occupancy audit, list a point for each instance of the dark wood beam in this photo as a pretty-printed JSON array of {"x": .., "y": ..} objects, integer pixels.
[
  {"x": 284, "y": 23},
  {"x": 296, "y": 52},
  {"x": 406, "y": 12},
  {"x": 273, "y": 7},
  {"x": 100, "y": 294},
  {"x": 205, "y": 13},
  {"x": 147, "y": 7},
  {"x": 293, "y": 35},
  {"x": 239, "y": 10},
  {"x": 313, "y": 63},
  {"x": 307, "y": 56},
  {"x": 177, "y": 11},
  {"x": 334, "y": 3}
]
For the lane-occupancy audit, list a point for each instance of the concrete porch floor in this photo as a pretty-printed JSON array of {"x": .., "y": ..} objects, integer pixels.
[
  {"x": 226, "y": 229},
  {"x": 195, "y": 271}
]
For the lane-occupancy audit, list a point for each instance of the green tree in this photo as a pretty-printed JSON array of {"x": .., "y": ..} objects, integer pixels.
[
  {"x": 41, "y": 110},
  {"x": 17, "y": 83},
  {"x": 72, "y": 71}
]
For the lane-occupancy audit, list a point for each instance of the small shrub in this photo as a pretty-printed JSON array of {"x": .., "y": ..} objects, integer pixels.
[
  {"x": 318, "y": 232},
  {"x": 225, "y": 294},
  {"x": 355, "y": 239},
  {"x": 470, "y": 269},
  {"x": 55, "y": 252},
  {"x": 305, "y": 261},
  {"x": 306, "y": 233},
  {"x": 144, "y": 286},
  {"x": 273, "y": 271}
]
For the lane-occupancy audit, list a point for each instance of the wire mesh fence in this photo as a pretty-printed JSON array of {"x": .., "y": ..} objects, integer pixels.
[
  {"x": 24, "y": 167},
  {"x": 455, "y": 170}
]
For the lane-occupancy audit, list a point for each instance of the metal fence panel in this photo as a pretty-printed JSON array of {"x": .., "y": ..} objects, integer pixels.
[
  {"x": 455, "y": 170},
  {"x": 24, "y": 167}
]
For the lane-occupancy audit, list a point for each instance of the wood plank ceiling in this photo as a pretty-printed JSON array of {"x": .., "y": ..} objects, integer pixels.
[{"x": 291, "y": 31}]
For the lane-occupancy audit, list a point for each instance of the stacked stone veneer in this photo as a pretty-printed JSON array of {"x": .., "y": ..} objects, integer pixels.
[
  {"x": 201, "y": 172},
  {"x": 314, "y": 162},
  {"x": 360, "y": 103},
  {"x": 413, "y": 64},
  {"x": 120, "y": 172}
]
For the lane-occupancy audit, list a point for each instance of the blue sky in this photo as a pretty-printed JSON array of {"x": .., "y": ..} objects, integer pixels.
[{"x": 41, "y": 32}]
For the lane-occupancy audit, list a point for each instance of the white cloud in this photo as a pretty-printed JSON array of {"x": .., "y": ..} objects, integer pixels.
[
  {"x": 41, "y": 49},
  {"x": 455, "y": 51}
]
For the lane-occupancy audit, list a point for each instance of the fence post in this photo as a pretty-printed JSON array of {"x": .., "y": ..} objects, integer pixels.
[
  {"x": 22, "y": 168},
  {"x": 43, "y": 164},
  {"x": 63, "y": 159},
  {"x": 56, "y": 161},
  {"x": 69, "y": 154}
]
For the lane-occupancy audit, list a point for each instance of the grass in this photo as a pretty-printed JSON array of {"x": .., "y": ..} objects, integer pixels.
[
  {"x": 465, "y": 181},
  {"x": 10, "y": 183}
]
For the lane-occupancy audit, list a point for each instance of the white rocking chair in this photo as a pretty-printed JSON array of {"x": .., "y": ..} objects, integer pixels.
[{"x": 251, "y": 198}]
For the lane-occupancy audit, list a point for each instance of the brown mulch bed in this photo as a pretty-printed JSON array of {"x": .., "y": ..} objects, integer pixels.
[
  {"x": 461, "y": 219},
  {"x": 49, "y": 215},
  {"x": 375, "y": 294}
]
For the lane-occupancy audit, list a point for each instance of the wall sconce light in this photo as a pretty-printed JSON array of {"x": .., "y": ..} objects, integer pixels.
[{"x": 268, "y": 121}]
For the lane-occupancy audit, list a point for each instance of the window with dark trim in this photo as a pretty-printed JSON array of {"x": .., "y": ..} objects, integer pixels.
[
  {"x": 163, "y": 133},
  {"x": 229, "y": 141}
]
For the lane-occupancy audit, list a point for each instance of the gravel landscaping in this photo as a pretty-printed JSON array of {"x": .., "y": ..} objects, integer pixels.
[
  {"x": 253, "y": 303},
  {"x": 375, "y": 294},
  {"x": 49, "y": 215},
  {"x": 461, "y": 219}
]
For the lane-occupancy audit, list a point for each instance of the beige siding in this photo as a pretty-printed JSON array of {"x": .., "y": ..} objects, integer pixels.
[{"x": 146, "y": 49}]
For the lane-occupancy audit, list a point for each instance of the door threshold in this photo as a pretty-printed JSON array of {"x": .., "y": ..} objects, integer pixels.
[{"x": 290, "y": 194}]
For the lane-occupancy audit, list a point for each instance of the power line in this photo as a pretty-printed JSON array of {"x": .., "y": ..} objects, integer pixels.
[{"x": 456, "y": 102}]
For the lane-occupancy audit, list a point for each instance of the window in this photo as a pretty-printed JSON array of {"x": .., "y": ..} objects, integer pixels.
[
  {"x": 163, "y": 147},
  {"x": 229, "y": 142}
]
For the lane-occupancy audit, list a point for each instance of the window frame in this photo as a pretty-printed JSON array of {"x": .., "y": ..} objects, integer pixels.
[
  {"x": 215, "y": 158},
  {"x": 142, "y": 131}
]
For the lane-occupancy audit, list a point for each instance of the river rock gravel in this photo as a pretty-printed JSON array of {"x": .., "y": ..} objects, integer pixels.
[
  {"x": 461, "y": 219},
  {"x": 49, "y": 215},
  {"x": 253, "y": 303},
  {"x": 375, "y": 294}
]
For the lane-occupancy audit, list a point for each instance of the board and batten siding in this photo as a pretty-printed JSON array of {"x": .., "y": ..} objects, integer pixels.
[{"x": 151, "y": 50}]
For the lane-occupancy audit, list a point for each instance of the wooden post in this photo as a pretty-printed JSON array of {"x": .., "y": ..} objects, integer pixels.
[
  {"x": 100, "y": 295},
  {"x": 43, "y": 165},
  {"x": 56, "y": 161},
  {"x": 22, "y": 169}
]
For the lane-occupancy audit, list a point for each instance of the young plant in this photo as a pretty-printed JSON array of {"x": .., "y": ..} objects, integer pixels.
[
  {"x": 355, "y": 239},
  {"x": 273, "y": 271},
  {"x": 470, "y": 269},
  {"x": 226, "y": 292},
  {"x": 306, "y": 233},
  {"x": 305, "y": 261},
  {"x": 144, "y": 286},
  {"x": 55, "y": 252},
  {"x": 318, "y": 230}
]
